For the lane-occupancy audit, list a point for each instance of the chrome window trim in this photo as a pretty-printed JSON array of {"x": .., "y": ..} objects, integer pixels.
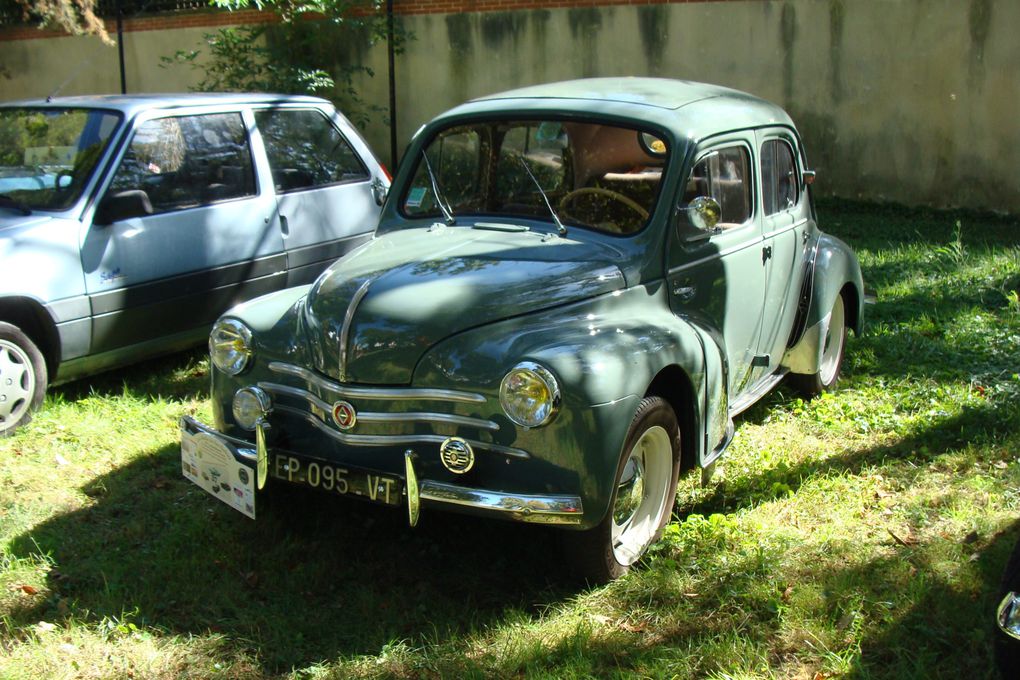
[{"x": 380, "y": 393}]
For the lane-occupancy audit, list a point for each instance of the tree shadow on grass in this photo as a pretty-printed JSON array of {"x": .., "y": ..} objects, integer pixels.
[{"x": 321, "y": 579}]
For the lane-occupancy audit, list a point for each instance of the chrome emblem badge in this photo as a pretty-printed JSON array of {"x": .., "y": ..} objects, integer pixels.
[
  {"x": 344, "y": 415},
  {"x": 456, "y": 455}
]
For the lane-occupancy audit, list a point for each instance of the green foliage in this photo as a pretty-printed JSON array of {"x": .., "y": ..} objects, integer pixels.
[
  {"x": 240, "y": 61},
  {"x": 297, "y": 56}
]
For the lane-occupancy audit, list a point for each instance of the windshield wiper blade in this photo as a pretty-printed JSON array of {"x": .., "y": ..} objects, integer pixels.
[
  {"x": 14, "y": 204},
  {"x": 556, "y": 218},
  {"x": 440, "y": 201}
]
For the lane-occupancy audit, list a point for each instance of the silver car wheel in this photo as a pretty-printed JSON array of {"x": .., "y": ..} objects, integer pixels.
[
  {"x": 832, "y": 349},
  {"x": 641, "y": 495},
  {"x": 17, "y": 382}
]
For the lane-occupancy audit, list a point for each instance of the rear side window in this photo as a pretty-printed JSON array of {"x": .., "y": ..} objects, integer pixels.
[
  {"x": 188, "y": 161},
  {"x": 778, "y": 177},
  {"x": 725, "y": 175},
  {"x": 305, "y": 150}
]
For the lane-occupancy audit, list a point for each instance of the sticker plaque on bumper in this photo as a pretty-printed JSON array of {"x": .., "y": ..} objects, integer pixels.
[
  {"x": 209, "y": 463},
  {"x": 341, "y": 480}
]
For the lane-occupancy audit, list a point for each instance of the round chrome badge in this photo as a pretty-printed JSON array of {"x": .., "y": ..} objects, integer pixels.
[
  {"x": 344, "y": 415},
  {"x": 456, "y": 455}
]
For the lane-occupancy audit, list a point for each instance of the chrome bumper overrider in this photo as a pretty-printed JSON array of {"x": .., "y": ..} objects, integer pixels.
[{"x": 538, "y": 509}]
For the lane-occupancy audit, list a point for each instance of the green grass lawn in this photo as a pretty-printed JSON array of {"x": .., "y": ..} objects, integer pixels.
[{"x": 859, "y": 535}]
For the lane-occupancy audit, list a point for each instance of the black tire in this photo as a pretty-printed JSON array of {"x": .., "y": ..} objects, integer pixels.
[
  {"x": 1007, "y": 649},
  {"x": 22, "y": 378},
  {"x": 833, "y": 350},
  {"x": 607, "y": 551}
]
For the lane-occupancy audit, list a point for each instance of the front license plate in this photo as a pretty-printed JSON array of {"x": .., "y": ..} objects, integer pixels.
[
  {"x": 339, "y": 479},
  {"x": 210, "y": 464}
]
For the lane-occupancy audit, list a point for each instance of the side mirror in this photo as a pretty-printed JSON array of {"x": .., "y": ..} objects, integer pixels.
[
  {"x": 703, "y": 213},
  {"x": 121, "y": 206},
  {"x": 379, "y": 191}
]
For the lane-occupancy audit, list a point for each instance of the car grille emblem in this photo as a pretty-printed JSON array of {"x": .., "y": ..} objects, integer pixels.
[
  {"x": 456, "y": 455},
  {"x": 344, "y": 415}
]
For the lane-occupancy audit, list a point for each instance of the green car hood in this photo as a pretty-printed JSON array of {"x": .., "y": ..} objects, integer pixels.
[{"x": 374, "y": 313}]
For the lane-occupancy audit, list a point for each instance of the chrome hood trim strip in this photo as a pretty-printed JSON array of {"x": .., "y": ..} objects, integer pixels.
[
  {"x": 345, "y": 330},
  {"x": 368, "y": 417},
  {"x": 395, "y": 440}
]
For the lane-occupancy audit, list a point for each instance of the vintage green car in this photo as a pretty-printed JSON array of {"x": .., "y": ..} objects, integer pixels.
[{"x": 573, "y": 290}]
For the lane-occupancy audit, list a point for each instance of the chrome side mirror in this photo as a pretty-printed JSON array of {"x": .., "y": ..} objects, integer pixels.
[{"x": 704, "y": 213}]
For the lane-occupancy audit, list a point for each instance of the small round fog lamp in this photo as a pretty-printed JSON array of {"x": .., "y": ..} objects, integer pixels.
[
  {"x": 529, "y": 395},
  {"x": 251, "y": 404}
]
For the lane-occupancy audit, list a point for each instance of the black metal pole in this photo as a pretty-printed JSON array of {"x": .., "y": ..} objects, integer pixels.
[
  {"x": 393, "y": 86},
  {"x": 120, "y": 47}
]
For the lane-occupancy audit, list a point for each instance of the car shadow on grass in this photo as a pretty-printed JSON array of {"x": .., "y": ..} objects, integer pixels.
[
  {"x": 184, "y": 375},
  {"x": 319, "y": 579}
]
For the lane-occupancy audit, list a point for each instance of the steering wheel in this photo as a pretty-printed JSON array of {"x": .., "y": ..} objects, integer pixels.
[{"x": 608, "y": 193}]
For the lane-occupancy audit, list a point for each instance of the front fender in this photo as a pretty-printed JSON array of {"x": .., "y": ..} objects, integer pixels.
[
  {"x": 835, "y": 269},
  {"x": 604, "y": 353}
]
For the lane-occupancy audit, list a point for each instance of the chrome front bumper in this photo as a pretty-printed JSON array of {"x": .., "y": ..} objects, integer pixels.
[{"x": 537, "y": 509}]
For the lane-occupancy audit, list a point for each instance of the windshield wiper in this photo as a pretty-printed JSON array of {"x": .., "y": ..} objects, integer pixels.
[
  {"x": 556, "y": 218},
  {"x": 14, "y": 204},
  {"x": 440, "y": 201}
]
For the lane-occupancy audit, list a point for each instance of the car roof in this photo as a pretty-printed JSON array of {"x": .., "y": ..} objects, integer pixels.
[
  {"x": 691, "y": 109},
  {"x": 133, "y": 103}
]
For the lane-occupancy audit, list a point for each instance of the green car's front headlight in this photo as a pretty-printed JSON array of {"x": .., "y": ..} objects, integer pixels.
[
  {"x": 529, "y": 395},
  {"x": 230, "y": 346}
]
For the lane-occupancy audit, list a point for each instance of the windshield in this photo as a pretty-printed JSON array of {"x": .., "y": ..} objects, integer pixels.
[
  {"x": 596, "y": 176},
  {"x": 47, "y": 155}
]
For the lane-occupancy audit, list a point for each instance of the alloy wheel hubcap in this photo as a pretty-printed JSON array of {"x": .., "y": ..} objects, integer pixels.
[{"x": 17, "y": 382}]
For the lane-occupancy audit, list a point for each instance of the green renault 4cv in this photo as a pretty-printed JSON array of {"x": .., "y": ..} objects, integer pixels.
[{"x": 573, "y": 290}]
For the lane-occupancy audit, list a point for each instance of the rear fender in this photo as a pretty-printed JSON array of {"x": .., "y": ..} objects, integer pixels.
[{"x": 835, "y": 271}]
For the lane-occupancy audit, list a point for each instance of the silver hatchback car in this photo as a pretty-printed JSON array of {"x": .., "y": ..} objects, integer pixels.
[{"x": 129, "y": 223}]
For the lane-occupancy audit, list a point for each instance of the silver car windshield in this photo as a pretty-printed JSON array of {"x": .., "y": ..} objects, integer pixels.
[
  {"x": 596, "y": 176},
  {"x": 48, "y": 154}
]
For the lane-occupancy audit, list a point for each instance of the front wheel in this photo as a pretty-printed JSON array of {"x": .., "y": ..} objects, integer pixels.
[
  {"x": 642, "y": 500},
  {"x": 22, "y": 378},
  {"x": 833, "y": 349}
]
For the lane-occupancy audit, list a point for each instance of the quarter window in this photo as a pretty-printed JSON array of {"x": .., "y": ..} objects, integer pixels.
[
  {"x": 725, "y": 175},
  {"x": 779, "y": 176},
  {"x": 305, "y": 150},
  {"x": 188, "y": 161}
]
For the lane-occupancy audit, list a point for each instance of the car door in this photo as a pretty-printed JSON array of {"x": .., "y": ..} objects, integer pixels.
[
  {"x": 183, "y": 230},
  {"x": 717, "y": 277},
  {"x": 784, "y": 230},
  {"x": 324, "y": 188}
]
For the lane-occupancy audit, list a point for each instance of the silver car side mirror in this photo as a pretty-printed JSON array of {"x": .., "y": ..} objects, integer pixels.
[{"x": 379, "y": 191}]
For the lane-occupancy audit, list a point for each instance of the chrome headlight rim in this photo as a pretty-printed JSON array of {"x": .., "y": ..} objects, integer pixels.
[
  {"x": 240, "y": 359},
  {"x": 263, "y": 406},
  {"x": 546, "y": 377}
]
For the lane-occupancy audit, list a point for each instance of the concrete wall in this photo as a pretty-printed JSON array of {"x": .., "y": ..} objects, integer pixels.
[
  {"x": 38, "y": 68},
  {"x": 913, "y": 101}
]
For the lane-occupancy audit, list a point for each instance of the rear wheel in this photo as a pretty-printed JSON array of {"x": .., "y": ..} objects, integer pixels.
[
  {"x": 642, "y": 501},
  {"x": 22, "y": 378},
  {"x": 833, "y": 349}
]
